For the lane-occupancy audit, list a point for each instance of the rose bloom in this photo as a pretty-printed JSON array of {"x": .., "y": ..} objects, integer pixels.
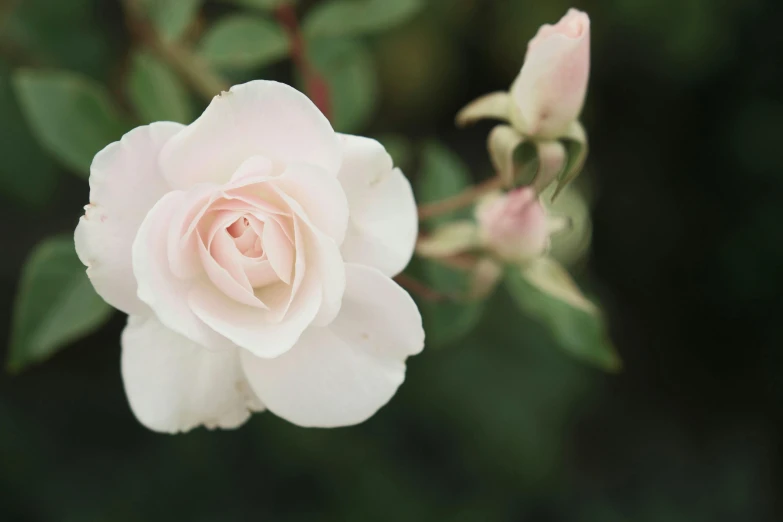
[
  {"x": 514, "y": 225},
  {"x": 550, "y": 90},
  {"x": 254, "y": 252}
]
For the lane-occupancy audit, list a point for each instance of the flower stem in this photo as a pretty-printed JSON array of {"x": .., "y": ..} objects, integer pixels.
[
  {"x": 315, "y": 84},
  {"x": 416, "y": 287},
  {"x": 189, "y": 66},
  {"x": 465, "y": 198}
]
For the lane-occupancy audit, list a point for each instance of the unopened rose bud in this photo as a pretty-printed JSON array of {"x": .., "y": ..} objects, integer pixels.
[
  {"x": 514, "y": 226},
  {"x": 549, "y": 92}
]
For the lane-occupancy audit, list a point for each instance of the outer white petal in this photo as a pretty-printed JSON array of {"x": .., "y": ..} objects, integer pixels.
[
  {"x": 175, "y": 385},
  {"x": 324, "y": 258},
  {"x": 342, "y": 374},
  {"x": 383, "y": 222},
  {"x": 321, "y": 197},
  {"x": 159, "y": 288},
  {"x": 259, "y": 118},
  {"x": 125, "y": 182}
]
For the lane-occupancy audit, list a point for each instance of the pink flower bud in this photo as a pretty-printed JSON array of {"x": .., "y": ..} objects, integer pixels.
[
  {"x": 514, "y": 225},
  {"x": 550, "y": 90}
]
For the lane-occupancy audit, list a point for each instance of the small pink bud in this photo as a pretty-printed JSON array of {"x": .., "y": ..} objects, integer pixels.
[
  {"x": 549, "y": 92},
  {"x": 514, "y": 225}
]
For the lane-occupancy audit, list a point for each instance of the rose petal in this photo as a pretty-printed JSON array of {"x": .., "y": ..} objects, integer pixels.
[
  {"x": 279, "y": 250},
  {"x": 279, "y": 297},
  {"x": 125, "y": 183},
  {"x": 292, "y": 308},
  {"x": 232, "y": 282},
  {"x": 260, "y": 272},
  {"x": 383, "y": 224},
  {"x": 253, "y": 197},
  {"x": 251, "y": 328},
  {"x": 182, "y": 235},
  {"x": 175, "y": 385},
  {"x": 320, "y": 195},
  {"x": 259, "y": 118},
  {"x": 342, "y": 374},
  {"x": 158, "y": 287},
  {"x": 253, "y": 167},
  {"x": 247, "y": 238},
  {"x": 220, "y": 221},
  {"x": 277, "y": 293},
  {"x": 323, "y": 259}
]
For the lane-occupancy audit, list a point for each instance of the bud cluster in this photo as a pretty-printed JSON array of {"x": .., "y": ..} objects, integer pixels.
[{"x": 541, "y": 108}]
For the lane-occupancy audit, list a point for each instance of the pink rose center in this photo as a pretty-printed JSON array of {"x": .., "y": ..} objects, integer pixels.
[{"x": 246, "y": 241}]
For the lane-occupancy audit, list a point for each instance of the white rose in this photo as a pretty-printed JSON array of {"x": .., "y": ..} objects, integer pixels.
[{"x": 253, "y": 251}]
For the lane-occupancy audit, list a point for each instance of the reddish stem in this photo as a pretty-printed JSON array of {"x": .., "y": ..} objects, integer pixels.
[
  {"x": 315, "y": 84},
  {"x": 415, "y": 286},
  {"x": 465, "y": 198}
]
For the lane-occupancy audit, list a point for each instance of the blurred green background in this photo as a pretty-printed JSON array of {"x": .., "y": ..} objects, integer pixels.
[{"x": 685, "y": 181}]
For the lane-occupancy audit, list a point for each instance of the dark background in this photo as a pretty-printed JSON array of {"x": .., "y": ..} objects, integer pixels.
[{"x": 686, "y": 176}]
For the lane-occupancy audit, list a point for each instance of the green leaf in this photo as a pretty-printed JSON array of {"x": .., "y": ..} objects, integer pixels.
[
  {"x": 575, "y": 323},
  {"x": 350, "y": 75},
  {"x": 449, "y": 320},
  {"x": 55, "y": 304},
  {"x": 357, "y": 17},
  {"x": 156, "y": 92},
  {"x": 244, "y": 41},
  {"x": 66, "y": 34},
  {"x": 72, "y": 116},
  {"x": 442, "y": 175},
  {"x": 27, "y": 174},
  {"x": 172, "y": 17}
]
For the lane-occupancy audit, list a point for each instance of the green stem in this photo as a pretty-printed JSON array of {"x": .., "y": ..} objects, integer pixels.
[{"x": 189, "y": 66}]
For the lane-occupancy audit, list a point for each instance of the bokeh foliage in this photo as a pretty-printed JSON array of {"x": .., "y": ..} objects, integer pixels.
[{"x": 494, "y": 423}]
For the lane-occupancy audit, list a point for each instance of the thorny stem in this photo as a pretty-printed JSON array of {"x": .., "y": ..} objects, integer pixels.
[
  {"x": 465, "y": 198},
  {"x": 315, "y": 84},
  {"x": 180, "y": 58},
  {"x": 463, "y": 262}
]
